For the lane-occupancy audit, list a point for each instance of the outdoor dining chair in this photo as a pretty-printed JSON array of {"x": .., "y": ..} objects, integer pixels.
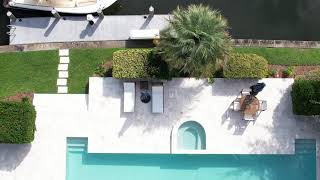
[
  {"x": 249, "y": 117},
  {"x": 262, "y": 105},
  {"x": 245, "y": 92},
  {"x": 236, "y": 106}
]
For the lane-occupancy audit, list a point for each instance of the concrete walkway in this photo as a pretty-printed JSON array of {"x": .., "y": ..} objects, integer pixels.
[
  {"x": 58, "y": 116},
  {"x": 48, "y": 29}
]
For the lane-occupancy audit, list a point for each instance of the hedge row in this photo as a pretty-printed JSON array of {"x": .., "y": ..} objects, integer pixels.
[
  {"x": 306, "y": 94},
  {"x": 245, "y": 66},
  {"x": 138, "y": 64},
  {"x": 17, "y": 122}
]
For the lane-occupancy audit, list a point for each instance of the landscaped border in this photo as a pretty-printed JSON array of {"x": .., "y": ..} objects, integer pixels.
[{"x": 131, "y": 43}]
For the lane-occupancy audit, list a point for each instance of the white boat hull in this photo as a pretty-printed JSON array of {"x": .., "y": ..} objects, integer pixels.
[{"x": 99, "y": 5}]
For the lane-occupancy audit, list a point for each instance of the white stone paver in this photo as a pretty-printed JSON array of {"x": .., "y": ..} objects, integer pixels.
[
  {"x": 63, "y": 52},
  {"x": 62, "y": 67},
  {"x": 61, "y": 82},
  {"x": 62, "y": 89},
  {"x": 63, "y": 74},
  {"x": 64, "y": 60}
]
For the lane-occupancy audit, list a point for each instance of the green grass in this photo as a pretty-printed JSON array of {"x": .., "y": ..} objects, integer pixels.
[
  {"x": 285, "y": 56},
  {"x": 37, "y": 71},
  {"x": 83, "y": 62},
  {"x": 28, "y": 72}
]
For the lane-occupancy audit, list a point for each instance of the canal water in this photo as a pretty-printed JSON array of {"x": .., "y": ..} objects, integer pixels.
[{"x": 255, "y": 19}]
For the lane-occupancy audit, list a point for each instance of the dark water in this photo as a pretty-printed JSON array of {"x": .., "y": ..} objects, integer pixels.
[{"x": 256, "y": 19}]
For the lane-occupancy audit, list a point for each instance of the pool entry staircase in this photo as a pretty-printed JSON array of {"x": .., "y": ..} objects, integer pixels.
[
  {"x": 77, "y": 145},
  {"x": 305, "y": 146}
]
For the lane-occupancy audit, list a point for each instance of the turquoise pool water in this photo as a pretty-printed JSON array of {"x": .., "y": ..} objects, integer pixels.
[
  {"x": 85, "y": 166},
  {"x": 191, "y": 136}
]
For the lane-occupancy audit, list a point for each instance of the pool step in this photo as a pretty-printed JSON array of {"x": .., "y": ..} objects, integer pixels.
[
  {"x": 76, "y": 149},
  {"x": 305, "y": 146},
  {"x": 77, "y": 145}
]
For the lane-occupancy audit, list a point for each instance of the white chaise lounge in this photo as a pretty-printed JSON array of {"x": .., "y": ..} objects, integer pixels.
[
  {"x": 157, "y": 99},
  {"x": 129, "y": 94},
  {"x": 145, "y": 34}
]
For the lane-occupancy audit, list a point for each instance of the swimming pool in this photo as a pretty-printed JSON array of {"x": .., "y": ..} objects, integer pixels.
[{"x": 86, "y": 166}]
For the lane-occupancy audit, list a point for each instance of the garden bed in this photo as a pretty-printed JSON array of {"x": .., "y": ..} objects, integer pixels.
[
  {"x": 285, "y": 56},
  {"x": 19, "y": 97},
  {"x": 298, "y": 70}
]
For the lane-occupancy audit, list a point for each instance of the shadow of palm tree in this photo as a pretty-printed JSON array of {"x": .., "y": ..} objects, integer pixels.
[{"x": 179, "y": 97}]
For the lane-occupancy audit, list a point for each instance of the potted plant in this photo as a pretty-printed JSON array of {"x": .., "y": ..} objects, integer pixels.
[
  {"x": 288, "y": 72},
  {"x": 273, "y": 73}
]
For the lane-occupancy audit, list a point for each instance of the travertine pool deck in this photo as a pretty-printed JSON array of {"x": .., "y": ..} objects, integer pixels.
[
  {"x": 77, "y": 28},
  {"x": 274, "y": 132},
  {"x": 58, "y": 116},
  {"x": 99, "y": 116}
]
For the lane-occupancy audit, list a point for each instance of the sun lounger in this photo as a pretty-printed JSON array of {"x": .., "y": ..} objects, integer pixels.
[
  {"x": 157, "y": 99},
  {"x": 262, "y": 105},
  {"x": 129, "y": 92},
  {"x": 145, "y": 34}
]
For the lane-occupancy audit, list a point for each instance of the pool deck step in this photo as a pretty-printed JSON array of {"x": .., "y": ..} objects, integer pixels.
[
  {"x": 75, "y": 150},
  {"x": 76, "y": 145},
  {"x": 305, "y": 146}
]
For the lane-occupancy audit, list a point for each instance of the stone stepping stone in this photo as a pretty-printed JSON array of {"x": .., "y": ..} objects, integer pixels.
[
  {"x": 61, "y": 82},
  {"x": 63, "y": 52},
  {"x": 63, "y": 67},
  {"x": 64, "y": 60},
  {"x": 63, "y": 74},
  {"x": 62, "y": 89}
]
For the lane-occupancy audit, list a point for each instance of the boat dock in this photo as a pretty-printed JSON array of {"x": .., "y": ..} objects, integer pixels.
[{"x": 71, "y": 29}]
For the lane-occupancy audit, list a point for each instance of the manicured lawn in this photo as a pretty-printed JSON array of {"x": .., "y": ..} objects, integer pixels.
[
  {"x": 28, "y": 72},
  {"x": 285, "y": 56},
  {"x": 83, "y": 62}
]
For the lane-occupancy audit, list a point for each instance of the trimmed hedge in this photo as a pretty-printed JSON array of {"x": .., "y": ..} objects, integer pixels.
[
  {"x": 17, "y": 122},
  {"x": 245, "y": 66},
  {"x": 306, "y": 94},
  {"x": 138, "y": 64}
]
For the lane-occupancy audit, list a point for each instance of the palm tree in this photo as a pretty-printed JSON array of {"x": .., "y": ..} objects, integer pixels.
[{"x": 194, "y": 40}]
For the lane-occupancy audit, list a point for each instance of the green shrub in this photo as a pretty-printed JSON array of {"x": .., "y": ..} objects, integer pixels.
[
  {"x": 288, "y": 72},
  {"x": 306, "y": 94},
  {"x": 138, "y": 64},
  {"x": 17, "y": 122},
  {"x": 245, "y": 66},
  {"x": 306, "y": 97}
]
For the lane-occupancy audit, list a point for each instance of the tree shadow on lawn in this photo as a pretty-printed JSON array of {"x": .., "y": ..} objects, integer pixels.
[{"x": 11, "y": 155}]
